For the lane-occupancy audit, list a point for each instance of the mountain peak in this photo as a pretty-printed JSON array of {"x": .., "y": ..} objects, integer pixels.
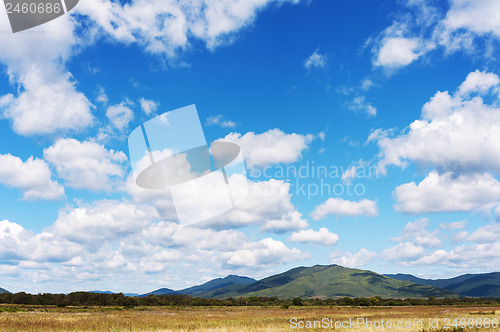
[{"x": 332, "y": 281}]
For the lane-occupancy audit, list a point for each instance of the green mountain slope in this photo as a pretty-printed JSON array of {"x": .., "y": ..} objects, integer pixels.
[
  {"x": 161, "y": 291},
  {"x": 483, "y": 285},
  {"x": 440, "y": 283},
  {"x": 216, "y": 284},
  {"x": 474, "y": 285},
  {"x": 330, "y": 281},
  {"x": 210, "y": 286}
]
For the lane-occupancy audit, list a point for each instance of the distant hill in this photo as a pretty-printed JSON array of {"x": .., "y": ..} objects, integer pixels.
[
  {"x": 332, "y": 281},
  {"x": 216, "y": 284},
  {"x": 474, "y": 285},
  {"x": 4, "y": 290},
  {"x": 110, "y": 292},
  {"x": 486, "y": 285},
  {"x": 101, "y": 292},
  {"x": 161, "y": 291},
  {"x": 440, "y": 283},
  {"x": 209, "y": 286}
]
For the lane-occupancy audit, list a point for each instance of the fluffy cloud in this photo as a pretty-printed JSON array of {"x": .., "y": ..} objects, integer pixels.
[
  {"x": 415, "y": 242},
  {"x": 446, "y": 136},
  {"x": 398, "y": 52},
  {"x": 478, "y": 252},
  {"x": 263, "y": 253},
  {"x": 428, "y": 259},
  {"x": 11, "y": 235},
  {"x": 268, "y": 204},
  {"x": 218, "y": 120},
  {"x": 19, "y": 244},
  {"x": 120, "y": 115},
  {"x": 288, "y": 222},
  {"x": 85, "y": 165},
  {"x": 46, "y": 100},
  {"x": 479, "y": 82},
  {"x": 316, "y": 60},
  {"x": 89, "y": 243},
  {"x": 486, "y": 234},
  {"x": 349, "y": 174},
  {"x": 171, "y": 234},
  {"x": 102, "y": 97},
  {"x": 148, "y": 106},
  {"x": 32, "y": 177},
  {"x": 478, "y": 16},
  {"x": 224, "y": 248},
  {"x": 463, "y": 163},
  {"x": 121, "y": 241},
  {"x": 322, "y": 236},
  {"x": 341, "y": 207},
  {"x": 416, "y": 231},
  {"x": 359, "y": 104},
  {"x": 272, "y": 147},
  {"x": 361, "y": 258},
  {"x": 448, "y": 192},
  {"x": 167, "y": 26},
  {"x": 424, "y": 27},
  {"x": 465, "y": 256},
  {"x": 402, "y": 251},
  {"x": 454, "y": 225},
  {"x": 103, "y": 220},
  {"x": 48, "y": 103},
  {"x": 161, "y": 199}
]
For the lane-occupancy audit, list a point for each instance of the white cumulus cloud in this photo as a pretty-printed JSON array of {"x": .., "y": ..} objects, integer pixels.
[
  {"x": 85, "y": 165},
  {"x": 424, "y": 27},
  {"x": 448, "y": 193},
  {"x": 271, "y": 147},
  {"x": 218, "y": 120},
  {"x": 416, "y": 231},
  {"x": 478, "y": 16},
  {"x": 403, "y": 251},
  {"x": 265, "y": 252},
  {"x": 341, "y": 207},
  {"x": 120, "y": 115},
  {"x": 322, "y": 236},
  {"x": 398, "y": 52},
  {"x": 32, "y": 177},
  {"x": 148, "y": 106},
  {"x": 168, "y": 26},
  {"x": 348, "y": 259},
  {"x": 46, "y": 99}
]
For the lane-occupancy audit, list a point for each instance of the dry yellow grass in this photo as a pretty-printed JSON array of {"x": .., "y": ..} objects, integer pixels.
[{"x": 234, "y": 318}]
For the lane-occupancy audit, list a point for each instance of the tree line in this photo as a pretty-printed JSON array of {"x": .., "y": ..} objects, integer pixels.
[{"x": 101, "y": 299}]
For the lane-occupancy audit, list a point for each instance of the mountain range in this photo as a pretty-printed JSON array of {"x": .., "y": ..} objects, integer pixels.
[
  {"x": 485, "y": 285},
  {"x": 334, "y": 281},
  {"x": 202, "y": 290},
  {"x": 109, "y": 292},
  {"x": 322, "y": 281},
  {"x": 330, "y": 281}
]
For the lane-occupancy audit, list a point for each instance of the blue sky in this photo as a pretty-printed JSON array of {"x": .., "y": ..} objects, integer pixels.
[{"x": 407, "y": 91}]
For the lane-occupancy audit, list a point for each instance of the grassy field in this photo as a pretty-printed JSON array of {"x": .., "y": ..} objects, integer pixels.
[{"x": 36, "y": 318}]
